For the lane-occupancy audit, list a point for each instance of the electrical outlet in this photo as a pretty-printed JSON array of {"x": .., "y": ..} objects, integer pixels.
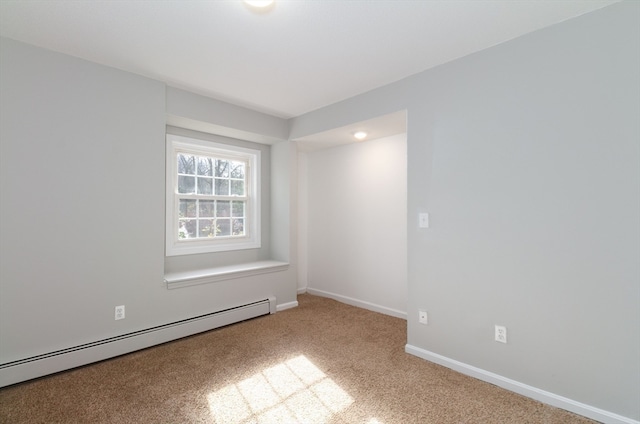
[
  {"x": 120, "y": 312},
  {"x": 501, "y": 334},
  {"x": 422, "y": 317}
]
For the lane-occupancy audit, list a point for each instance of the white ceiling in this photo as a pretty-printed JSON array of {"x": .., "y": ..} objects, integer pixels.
[{"x": 296, "y": 57}]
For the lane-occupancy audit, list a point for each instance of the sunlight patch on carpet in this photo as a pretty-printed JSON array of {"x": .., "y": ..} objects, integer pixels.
[{"x": 293, "y": 391}]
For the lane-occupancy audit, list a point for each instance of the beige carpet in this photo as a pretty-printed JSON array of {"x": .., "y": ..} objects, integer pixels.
[{"x": 323, "y": 362}]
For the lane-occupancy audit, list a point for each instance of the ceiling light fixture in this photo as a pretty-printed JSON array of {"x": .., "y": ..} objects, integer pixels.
[
  {"x": 259, "y": 3},
  {"x": 360, "y": 135}
]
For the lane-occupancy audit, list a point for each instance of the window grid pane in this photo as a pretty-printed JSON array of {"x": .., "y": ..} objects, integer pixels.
[
  {"x": 222, "y": 187},
  {"x": 206, "y": 209},
  {"x": 229, "y": 176},
  {"x": 186, "y": 164},
  {"x": 205, "y": 166},
  {"x": 205, "y": 185},
  {"x": 212, "y": 177},
  {"x": 199, "y": 219}
]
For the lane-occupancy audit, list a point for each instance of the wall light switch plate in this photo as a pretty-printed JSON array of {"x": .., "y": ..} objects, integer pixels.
[{"x": 423, "y": 220}]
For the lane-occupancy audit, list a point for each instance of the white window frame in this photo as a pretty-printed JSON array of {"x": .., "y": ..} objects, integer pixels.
[{"x": 251, "y": 239}]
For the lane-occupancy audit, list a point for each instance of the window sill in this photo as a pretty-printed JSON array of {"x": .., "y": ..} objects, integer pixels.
[{"x": 213, "y": 275}]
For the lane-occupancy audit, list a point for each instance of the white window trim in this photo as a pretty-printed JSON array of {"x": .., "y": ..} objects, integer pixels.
[{"x": 175, "y": 246}]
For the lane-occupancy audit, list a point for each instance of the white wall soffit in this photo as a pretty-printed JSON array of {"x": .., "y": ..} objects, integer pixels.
[{"x": 382, "y": 126}]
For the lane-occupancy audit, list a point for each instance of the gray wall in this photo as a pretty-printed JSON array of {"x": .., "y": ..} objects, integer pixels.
[
  {"x": 82, "y": 150},
  {"x": 357, "y": 226},
  {"x": 527, "y": 156}
]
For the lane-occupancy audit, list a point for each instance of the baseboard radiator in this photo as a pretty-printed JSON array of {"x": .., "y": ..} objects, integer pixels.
[{"x": 64, "y": 359}]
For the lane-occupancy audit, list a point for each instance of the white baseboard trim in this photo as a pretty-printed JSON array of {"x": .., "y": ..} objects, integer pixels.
[
  {"x": 288, "y": 305},
  {"x": 302, "y": 290},
  {"x": 359, "y": 303},
  {"x": 521, "y": 388}
]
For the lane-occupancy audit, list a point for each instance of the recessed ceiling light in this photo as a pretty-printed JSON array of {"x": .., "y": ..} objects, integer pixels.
[
  {"x": 360, "y": 135},
  {"x": 258, "y": 3}
]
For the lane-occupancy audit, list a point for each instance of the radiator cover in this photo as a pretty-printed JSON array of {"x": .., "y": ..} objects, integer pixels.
[{"x": 64, "y": 359}]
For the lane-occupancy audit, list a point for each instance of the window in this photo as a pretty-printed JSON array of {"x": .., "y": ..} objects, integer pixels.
[{"x": 212, "y": 196}]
